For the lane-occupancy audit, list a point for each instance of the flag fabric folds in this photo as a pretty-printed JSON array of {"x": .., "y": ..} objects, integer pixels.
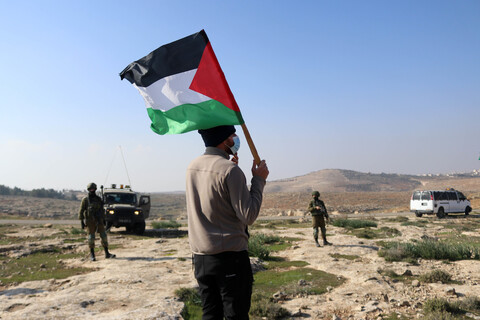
[{"x": 184, "y": 87}]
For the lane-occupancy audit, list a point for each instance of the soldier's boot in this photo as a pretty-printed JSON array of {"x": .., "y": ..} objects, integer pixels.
[
  {"x": 316, "y": 242},
  {"x": 92, "y": 254},
  {"x": 325, "y": 242},
  {"x": 108, "y": 255}
]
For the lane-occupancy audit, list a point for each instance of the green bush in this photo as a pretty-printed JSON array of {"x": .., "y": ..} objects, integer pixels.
[
  {"x": 263, "y": 307},
  {"x": 429, "y": 249},
  {"x": 471, "y": 303},
  {"x": 77, "y": 231},
  {"x": 192, "y": 308},
  {"x": 257, "y": 248},
  {"x": 166, "y": 225},
  {"x": 353, "y": 223},
  {"x": 440, "y": 305},
  {"x": 436, "y": 276}
]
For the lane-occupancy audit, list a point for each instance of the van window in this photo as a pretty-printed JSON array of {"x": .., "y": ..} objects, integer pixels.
[
  {"x": 452, "y": 195},
  {"x": 426, "y": 195},
  {"x": 442, "y": 196},
  {"x": 416, "y": 195},
  {"x": 461, "y": 196}
]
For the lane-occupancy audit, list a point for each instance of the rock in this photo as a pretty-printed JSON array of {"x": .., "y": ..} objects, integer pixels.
[
  {"x": 256, "y": 264},
  {"x": 371, "y": 306},
  {"x": 385, "y": 297},
  {"x": 85, "y": 304},
  {"x": 302, "y": 282},
  {"x": 298, "y": 313},
  {"x": 279, "y": 296},
  {"x": 407, "y": 273},
  {"x": 451, "y": 291},
  {"x": 329, "y": 289},
  {"x": 335, "y": 317},
  {"x": 404, "y": 304},
  {"x": 47, "y": 225},
  {"x": 415, "y": 283}
]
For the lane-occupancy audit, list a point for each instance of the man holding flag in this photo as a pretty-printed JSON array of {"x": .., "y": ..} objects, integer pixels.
[
  {"x": 185, "y": 89},
  {"x": 220, "y": 207}
]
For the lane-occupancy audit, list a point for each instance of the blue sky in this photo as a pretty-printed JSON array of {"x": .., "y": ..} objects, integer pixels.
[{"x": 372, "y": 86}]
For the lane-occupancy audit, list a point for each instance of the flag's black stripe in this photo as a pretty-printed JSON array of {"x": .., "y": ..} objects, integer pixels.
[{"x": 176, "y": 57}]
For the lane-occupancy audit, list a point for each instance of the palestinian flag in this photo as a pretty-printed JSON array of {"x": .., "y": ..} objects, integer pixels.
[{"x": 184, "y": 87}]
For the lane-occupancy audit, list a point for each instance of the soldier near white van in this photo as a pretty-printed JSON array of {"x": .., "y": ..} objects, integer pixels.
[
  {"x": 319, "y": 214},
  {"x": 92, "y": 216}
]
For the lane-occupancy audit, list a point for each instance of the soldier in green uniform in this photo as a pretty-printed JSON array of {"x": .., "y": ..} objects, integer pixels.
[
  {"x": 319, "y": 212},
  {"x": 92, "y": 211}
]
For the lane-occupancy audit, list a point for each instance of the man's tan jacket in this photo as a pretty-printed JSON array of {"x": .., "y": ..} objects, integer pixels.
[{"x": 219, "y": 204}]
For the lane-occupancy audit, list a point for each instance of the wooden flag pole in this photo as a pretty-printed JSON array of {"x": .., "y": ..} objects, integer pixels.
[{"x": 251, "y": 144}]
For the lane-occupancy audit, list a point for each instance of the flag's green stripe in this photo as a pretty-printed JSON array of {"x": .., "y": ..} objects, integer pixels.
[{"x": 190, "y": 117}]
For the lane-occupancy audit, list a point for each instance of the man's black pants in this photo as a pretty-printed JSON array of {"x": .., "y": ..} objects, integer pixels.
[{"x": 225, "y": 282}]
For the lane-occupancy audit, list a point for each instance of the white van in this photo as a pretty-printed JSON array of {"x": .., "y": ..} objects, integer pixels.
[{"x": 440, "y": 203}]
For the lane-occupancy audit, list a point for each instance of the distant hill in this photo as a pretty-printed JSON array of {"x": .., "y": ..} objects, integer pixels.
[{"x": 337, "y": 180}]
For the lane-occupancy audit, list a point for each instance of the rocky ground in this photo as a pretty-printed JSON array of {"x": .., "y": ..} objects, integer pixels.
[{"x": 140, "y": 283}]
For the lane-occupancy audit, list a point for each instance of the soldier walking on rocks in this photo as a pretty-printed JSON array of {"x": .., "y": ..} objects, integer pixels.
[
  {"x": 319, "y": 215},
  {"x": 92, "y": 211}
]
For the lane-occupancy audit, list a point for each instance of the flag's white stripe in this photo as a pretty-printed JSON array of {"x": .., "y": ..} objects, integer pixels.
[{"x": 171, "y": 91}]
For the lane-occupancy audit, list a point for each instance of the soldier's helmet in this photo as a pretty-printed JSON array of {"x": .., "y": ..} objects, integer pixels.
[
  {"x": 316, "y": 193},
  {"x": 91, "y": 185}
]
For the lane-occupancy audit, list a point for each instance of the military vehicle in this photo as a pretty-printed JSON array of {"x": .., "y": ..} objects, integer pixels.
[{"x": 125, "y": 208}]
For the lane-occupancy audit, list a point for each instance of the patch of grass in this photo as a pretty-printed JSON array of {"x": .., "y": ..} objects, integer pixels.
[
  {"x": 441, "y": 306},
  {"x": 166, "y": 224},
  {"x": 416, "y": 223},
  {"x": 383, "y": 232},
  {"x": 170, "y": 252},
  {"x": 74, "y": 240},
  {"x": 270, "y": 281},
  {"x": 436, "y": 276},
  {"x": 76, "y": 231},
  {"x": 284, "y": 264},
  {"x": 397, "y": 219},
  {"x": 470, "y": 303},
  {"x": 265, "y": 308},
  {"x": 192, "y": 308},
  {"x": 38, "y": 266},
  {"x": 344, "y": 256},
  {"x": 394, "y": 316},
  {"x": 428, "y": 249},
  {"x": 261, "y": 245},
  {"x": 462, "y": 226},
  {"x": 392, "y": 274},
  {"x": 274, "y": 224},
  {"x": 353, "y": 223}
]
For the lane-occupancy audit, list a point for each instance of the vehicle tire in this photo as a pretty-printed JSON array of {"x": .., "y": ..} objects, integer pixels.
[
  {"x": 468, "y": 210},
  {"x": 418, "y": 214},
  {"x": 139, "y": 228},
  {"x": 441, "y": 213}
]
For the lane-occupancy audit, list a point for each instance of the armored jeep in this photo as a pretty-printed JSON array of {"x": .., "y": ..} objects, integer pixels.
[{"x": 125, "y": 208}]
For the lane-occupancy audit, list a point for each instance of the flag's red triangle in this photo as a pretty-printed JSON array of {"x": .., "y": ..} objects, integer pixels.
[{"x": 209, "y": 80}]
